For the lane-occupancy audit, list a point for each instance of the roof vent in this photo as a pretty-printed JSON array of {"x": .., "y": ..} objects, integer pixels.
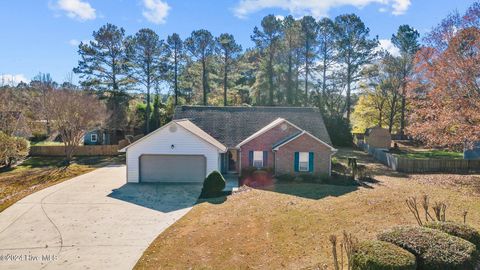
[{"x": 172, "y": 128}]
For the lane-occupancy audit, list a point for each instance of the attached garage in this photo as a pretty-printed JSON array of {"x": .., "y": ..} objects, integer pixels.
[
  {"x": 179, "y": 152},
  {"x": 172, "y": 168}
]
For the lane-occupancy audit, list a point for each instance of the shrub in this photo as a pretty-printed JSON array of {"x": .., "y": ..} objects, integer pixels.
[
  {"x": 459, "y": 230},
  {"x": 213, "y": 185},
  {"x": 255, "y": 177},
  {"x": 434, "y": 249},
  {"x": 13, "y": 149},
  {"x": 379, "y": 255},
  {"x": 306, "y": 177},
  {"x": 285, "y": 177},
  {"x": 340, "y": 180}
]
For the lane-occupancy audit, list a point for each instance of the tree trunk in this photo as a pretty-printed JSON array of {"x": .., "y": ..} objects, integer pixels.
[
  {"x": 324, "y": 82},
  {"x": 176, "y": 76},
  {"x": 307, "y": 49},
  {"x": 402, "y": 119},
  {"x": 349, "y": 102},
  {"x": 270, "y": 79},
  {"x": 289, "y": 79},
  {"x": 225, "y": 79},
  {"x": 147, "y": 110},
  {"x": 204, "y": 81}
]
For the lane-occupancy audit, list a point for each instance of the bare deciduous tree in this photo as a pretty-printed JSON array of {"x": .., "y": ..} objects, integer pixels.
[{"x": 72, "y": 114}]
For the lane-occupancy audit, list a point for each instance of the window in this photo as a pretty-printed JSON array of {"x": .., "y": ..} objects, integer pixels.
[
  {"x": 258, "y": 159},
  {"x": 93, "y": 137},
  {"x": 303, "y": 161}
]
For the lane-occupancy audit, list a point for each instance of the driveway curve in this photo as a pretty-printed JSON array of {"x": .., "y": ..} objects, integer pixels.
[{"x": 93, "y": 221}]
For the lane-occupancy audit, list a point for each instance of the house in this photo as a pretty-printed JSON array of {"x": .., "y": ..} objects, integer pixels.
[
  {"x": 473, "y": 152},
  {"x": 201, "y": 139},
  {"x": 378, "y": 137},
  {"x": 105, "y": 136}
]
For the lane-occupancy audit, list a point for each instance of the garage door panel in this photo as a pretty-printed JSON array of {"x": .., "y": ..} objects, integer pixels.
[{"x": 172, "y": 168}]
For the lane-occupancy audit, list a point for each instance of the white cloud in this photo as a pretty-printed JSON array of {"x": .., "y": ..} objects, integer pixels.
[
  {"x": 76, "y": 42},
  {"x": 77, "y": 9},
  {"x": 12, "y": 79},
  {"x": 316, "y": 8},
  {"x": 387, "y": 45},
  {"x": 156, "y": 11},
  {"x": 400, "y": 6}
]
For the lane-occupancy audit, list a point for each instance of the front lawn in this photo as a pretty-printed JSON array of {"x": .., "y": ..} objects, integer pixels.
[
  {"x": 37, "y": 173},
  {"x": 288, "y": 225},
  {"x": 430, "y": 154}
]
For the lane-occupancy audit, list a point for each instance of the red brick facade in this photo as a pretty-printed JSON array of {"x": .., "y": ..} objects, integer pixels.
[
  {"x": 283, "y": 159},
  {"x": 285, "y": 155},
  {"x": 265, "y": 141}
]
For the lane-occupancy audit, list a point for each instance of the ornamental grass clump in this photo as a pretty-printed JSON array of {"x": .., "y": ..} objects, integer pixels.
[
  {"x": 433, "y": 249},
  {"x": 459, "y": 230},
  {"x": 380, "y": 255}
]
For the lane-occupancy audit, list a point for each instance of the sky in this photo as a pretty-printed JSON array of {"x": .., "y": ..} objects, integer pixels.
[{"x": 43, "y": 35}]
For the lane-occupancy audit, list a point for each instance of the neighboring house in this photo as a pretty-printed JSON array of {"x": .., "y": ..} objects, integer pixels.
[
  {"x": 378, "y": 137},
  {"x": 202, "y": 139},
  {"x": 96, "y": 137},
  {"x": 472, "y": 153},
  {"x": 104, "y": 137}
]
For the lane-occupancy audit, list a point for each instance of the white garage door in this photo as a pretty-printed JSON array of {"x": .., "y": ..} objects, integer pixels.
[{"x": 172, "y": 168}]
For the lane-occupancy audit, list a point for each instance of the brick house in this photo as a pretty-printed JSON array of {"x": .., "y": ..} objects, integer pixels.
[{"x": 200, "y": 139}]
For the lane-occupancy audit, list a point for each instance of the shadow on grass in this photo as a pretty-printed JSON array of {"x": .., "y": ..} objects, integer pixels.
[{"x": 314, "y": 191}]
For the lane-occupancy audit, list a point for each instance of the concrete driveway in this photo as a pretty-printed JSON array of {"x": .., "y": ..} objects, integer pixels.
[{"x": 94, "y": 221}]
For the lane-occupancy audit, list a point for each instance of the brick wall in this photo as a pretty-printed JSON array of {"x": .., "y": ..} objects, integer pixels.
[
  {"x": 285, "y": 155},
  {"x": 265, "y": 141}
]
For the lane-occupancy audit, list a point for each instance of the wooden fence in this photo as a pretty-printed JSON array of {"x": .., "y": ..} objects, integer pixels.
[
  {"x": 82, "y": 150},
  {"x": 411, "y": 165}
]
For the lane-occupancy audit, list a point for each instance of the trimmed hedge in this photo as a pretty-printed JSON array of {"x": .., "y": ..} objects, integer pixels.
[
  {"x": 213, "y": 185},
  {"x": 434, "y": 249},
  {"x": 379, "y": 255},
  {"x": 459, "y": 230}
]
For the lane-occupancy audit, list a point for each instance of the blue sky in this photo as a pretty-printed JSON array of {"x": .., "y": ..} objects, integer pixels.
[{"x": 43, "y": 35}]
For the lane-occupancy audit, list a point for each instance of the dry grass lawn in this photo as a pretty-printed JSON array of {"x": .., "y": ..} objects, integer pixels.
[
  {"x": 37, "y": 173},
  {"x": 288, "y": 226}
]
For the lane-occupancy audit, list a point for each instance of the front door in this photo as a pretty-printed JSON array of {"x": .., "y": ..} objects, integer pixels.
[{"x": 232, "y": 161}]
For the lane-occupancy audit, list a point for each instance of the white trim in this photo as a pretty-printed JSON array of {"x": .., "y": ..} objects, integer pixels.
[
  {"x": 308, "y": 161},
  {"x": 96, "y": 137},
  {"x": 261, "y": 158},
  {"x": 302, "y": 133},
  {"x": 266, "y": 128},
  {"x": 330, "y": 164},
  {"x": 215, "y": 143}
]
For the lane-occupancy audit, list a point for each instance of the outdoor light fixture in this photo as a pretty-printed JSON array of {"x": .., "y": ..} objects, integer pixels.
[{"x": 172, "y": 146}]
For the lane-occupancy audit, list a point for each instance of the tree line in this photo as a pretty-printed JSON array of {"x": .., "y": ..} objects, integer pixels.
[
  {"x": 429, "y": 90},
  {"x": 294, "y": 62}
]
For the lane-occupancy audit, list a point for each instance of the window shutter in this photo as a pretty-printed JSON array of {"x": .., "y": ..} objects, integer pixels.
[
  {"x": 250, "y": 158},
  {"x": 295, "y": 161},
  {"x": 310, "y": 162},
  {"x": 265, "y": 159}
]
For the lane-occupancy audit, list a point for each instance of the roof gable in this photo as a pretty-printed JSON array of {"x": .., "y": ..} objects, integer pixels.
[
  {"x": 188, "y": 126},
  {"x": 293, "y": 138},
  {"x": 232, "y": 125},
  {"x": 266, "y": 128}
]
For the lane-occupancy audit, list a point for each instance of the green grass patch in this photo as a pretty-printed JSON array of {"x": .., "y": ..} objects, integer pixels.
[
  {"x": 431, "y": 154},
  {"x": 46, "y": 143}
]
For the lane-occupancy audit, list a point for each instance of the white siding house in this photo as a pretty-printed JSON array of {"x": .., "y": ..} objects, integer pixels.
[{"x": 174, "y": 144}]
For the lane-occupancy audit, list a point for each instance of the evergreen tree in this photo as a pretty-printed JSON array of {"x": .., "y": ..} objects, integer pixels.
[
  {"x": 201, "y": 45},
  {"x": 355, "y": 50},
  {"x": 228, "y": 52}
]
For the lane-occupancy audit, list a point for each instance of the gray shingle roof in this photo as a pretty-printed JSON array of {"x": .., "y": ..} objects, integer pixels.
[{"x": 232, "y": 125}]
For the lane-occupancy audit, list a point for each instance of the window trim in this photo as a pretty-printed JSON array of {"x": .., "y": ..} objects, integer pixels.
[
  {"x": 91, "y": 137},
  {"x": 260, "y": 153},
  {"x": 307, "y": 167}
]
